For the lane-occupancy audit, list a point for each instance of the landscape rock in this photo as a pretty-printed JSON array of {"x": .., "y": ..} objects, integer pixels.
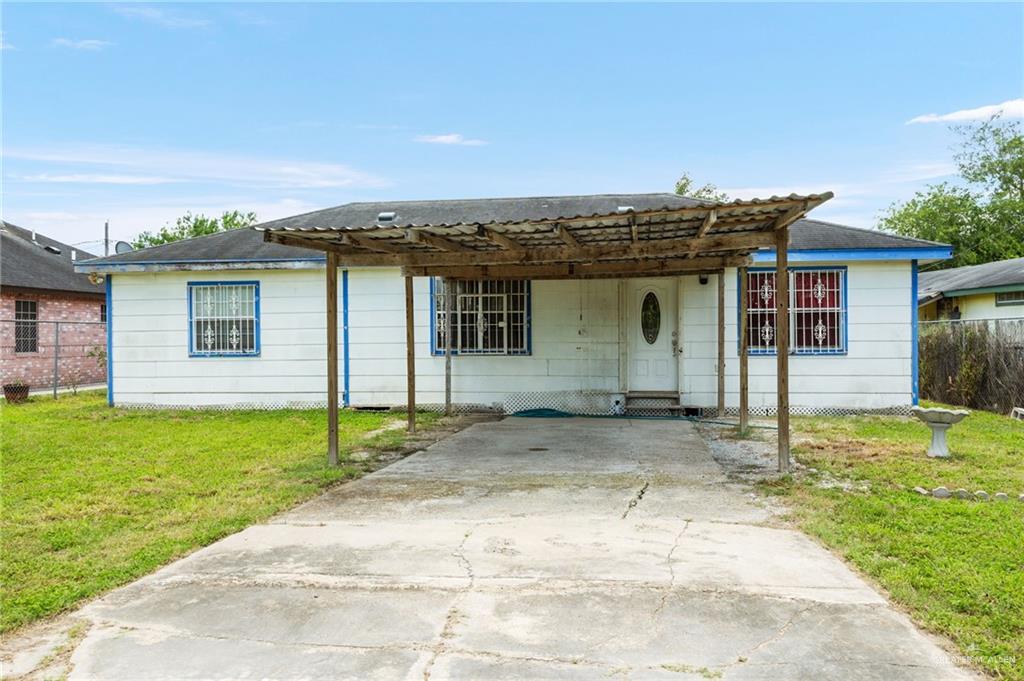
[
  {"x": 981, "y": 494},
  {"x": 923, "y": 492},
  {"x": 940, "y": 493},
  {"x": 961, "y": 493},
  {"x": 1002, "y": 496}
]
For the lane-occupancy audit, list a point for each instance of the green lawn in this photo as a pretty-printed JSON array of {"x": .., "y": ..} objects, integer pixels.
[
  {"x": 94, "y": 497},
  {"x": 958, "y": 566}
]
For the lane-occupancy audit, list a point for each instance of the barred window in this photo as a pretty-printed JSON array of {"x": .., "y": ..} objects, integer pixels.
[
  {"x": 817, "y": 311},
  {"x": 103, "y": 312},
  {"x": 488, "y": 317},
  {"x": 1010, "y": 298},
  {"x": 224, "y": 319},
  {"x": 26, "y": 326}
]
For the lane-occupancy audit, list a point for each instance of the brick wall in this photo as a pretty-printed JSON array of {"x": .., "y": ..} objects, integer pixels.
[{"x": 81, "y": 332}]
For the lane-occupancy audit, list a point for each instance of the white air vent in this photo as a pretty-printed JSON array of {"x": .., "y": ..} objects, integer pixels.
[
  {"x": 52, "y": 249},
  {"x": 624, "y": 209},
  {"x": 387, "y": 216}
]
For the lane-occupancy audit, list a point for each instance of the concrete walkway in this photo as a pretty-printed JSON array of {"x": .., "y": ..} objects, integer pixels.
[{"x": 526, "y": 548}]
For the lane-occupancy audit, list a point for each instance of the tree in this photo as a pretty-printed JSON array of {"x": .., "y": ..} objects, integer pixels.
[
  {"x": 709, "y": 192},
  {"x": 189, "y": 226},
  {"x": 983, "y": 219}
]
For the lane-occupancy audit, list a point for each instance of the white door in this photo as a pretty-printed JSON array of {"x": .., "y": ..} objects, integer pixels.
[{"x": 653, "y": 336}]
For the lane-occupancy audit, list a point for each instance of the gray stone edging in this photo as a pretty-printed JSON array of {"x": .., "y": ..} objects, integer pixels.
[{"x": 941, "y": 492}]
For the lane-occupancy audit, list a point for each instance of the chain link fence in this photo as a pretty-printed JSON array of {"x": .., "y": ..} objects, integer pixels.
[
  {"x": 53, "y": 355},
  {"x": 973, "y": 363}
]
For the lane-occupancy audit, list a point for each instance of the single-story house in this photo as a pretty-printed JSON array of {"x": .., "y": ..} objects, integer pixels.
[
  {"x": 238, "y": 318},
  {"x": 39, "y": 291},
  {"x": 994, "y": 290}
]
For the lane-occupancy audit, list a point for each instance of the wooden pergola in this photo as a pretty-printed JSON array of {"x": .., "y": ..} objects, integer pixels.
[{"x": 700, "y": 239}]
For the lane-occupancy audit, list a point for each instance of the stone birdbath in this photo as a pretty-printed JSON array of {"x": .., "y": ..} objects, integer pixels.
[{"x": 939, "y": 420}]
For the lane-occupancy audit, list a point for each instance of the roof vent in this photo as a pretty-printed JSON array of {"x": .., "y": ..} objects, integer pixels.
[
  {"x": 52, "y": 249},
  {"x": 624, "y": 209},
  {"x": 387, "y": 216},
  {"x": 74, "y": 255}
]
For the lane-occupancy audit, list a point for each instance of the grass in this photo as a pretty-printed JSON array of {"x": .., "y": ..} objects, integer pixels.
[
  {"x": 95, "y": 497},
  {"x": 957, "y": 566}
]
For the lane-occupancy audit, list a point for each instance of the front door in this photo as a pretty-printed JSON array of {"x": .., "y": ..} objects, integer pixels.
[{"x": 653, "y": 335}]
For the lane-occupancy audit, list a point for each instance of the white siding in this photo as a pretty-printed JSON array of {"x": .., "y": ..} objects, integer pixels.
[
  {"x": 875, "y": 373},
  {"x": 151, "y": 364},
  {"x": 575, "y": 344}
]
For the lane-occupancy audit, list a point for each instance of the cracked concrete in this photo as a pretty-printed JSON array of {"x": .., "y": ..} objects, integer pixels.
[{"x": 503, "y": 552}]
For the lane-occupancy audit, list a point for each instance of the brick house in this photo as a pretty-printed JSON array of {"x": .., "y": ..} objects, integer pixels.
[{"x": 46, "y": 307}]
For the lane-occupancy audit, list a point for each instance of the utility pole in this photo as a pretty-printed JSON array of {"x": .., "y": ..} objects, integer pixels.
[{"x": 106, "y": 237}]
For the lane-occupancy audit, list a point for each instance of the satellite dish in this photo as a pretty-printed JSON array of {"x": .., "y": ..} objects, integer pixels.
[{"x": 123, "y": 247}]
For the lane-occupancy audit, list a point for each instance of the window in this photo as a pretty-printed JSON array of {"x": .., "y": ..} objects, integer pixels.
[
  {"x": 224, "y": 319},
  {"x": 1010, "y": 298},
  {"x": 103, "y": 312},
  {"x": 488, "y": 317},
  {"x": 26, "y": 326},
  {"x": 817, "y": 311}
]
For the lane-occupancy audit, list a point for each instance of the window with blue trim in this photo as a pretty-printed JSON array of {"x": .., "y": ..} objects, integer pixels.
[
  {"x": 224, "y": 319},
  {"x": 487, "y": 317},
  {"x": 817, "y": 311}
]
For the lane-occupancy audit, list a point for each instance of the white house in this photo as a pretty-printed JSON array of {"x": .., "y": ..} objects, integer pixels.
[
  {"x": 991, "y": 291},
  {"x": 231, "y": 320}
]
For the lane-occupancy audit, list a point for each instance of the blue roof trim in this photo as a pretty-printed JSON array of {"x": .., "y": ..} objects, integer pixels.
[
  {"x": 853, "y": 254},
  {"x": 915, "y": 381}
]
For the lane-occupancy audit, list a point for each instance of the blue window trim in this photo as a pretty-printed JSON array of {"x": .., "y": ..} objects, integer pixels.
[
  {"x": 848, "y": 254},
  {"x": 346, "y": 397},
  {"x": 439, "y": 352},
  {"x": 915, "y": 385},
  {"x": 192, "y": 352},
  {"x": 845, "y": 350},
  {"x": 109, "y": 286}
]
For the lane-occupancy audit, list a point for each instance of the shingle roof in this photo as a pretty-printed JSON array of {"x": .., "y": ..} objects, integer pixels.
[
  {"x": 248, "y": 244},
  {"x": 1000, "y": 273},
  {"x": 233, "y": 245},
  {"x": 28, "y": 264}
]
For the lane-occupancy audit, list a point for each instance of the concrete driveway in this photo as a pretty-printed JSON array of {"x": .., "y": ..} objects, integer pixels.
[{"x": 525, "y": 548}]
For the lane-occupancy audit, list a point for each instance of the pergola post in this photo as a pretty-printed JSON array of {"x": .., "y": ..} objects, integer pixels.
[
  {"x": 744, "y": 352},
  {"x": 410, "y": 355},
  {"x": 448, "y": 304},
  {"x": 721, "y": 343},
  {"x": 332, "y": 358},
  {"x": 782, "y": 342}
]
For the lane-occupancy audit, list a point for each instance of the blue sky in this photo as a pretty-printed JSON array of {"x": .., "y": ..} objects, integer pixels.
[{"x": 138, "y": 113}]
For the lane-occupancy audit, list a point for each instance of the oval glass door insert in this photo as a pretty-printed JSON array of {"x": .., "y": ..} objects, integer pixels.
[{"x": 650, "y": 317}]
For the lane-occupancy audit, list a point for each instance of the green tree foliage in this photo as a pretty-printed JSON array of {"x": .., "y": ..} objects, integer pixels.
[
  {"x": 709, "y": 192},
  {"x": 983, "y": 219},
  {"x": 189, "y": 226}
]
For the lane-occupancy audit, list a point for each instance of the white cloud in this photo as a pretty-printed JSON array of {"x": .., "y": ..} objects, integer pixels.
[
  {"x": 186, "y": 165},
  {"x": 161, "y": 17},
  {"x": 97, "y": 178},
  {"x": 86, "y": 45},
  {"x": 1013, "y": 108},
  {"x": 85, "y": 224},
  {"x": 451, "y": 139}
]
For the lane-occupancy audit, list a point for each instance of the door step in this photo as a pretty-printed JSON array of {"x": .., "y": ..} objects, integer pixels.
[{"x": 653, "y": 403}]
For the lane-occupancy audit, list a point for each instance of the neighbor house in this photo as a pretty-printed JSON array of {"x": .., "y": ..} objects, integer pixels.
[
  {"x": 994, "y": 290},
  {"x": 232, "y": 320},
  {"x": 39, "y": 291}
]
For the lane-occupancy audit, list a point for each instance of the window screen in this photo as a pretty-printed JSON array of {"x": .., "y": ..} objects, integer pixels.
[
  {"x": 487, "y": 317},
  {"x": 26, "y": 326},
  {"x": 817, "y": 311},
  {"x": 224, "y": 319}
]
